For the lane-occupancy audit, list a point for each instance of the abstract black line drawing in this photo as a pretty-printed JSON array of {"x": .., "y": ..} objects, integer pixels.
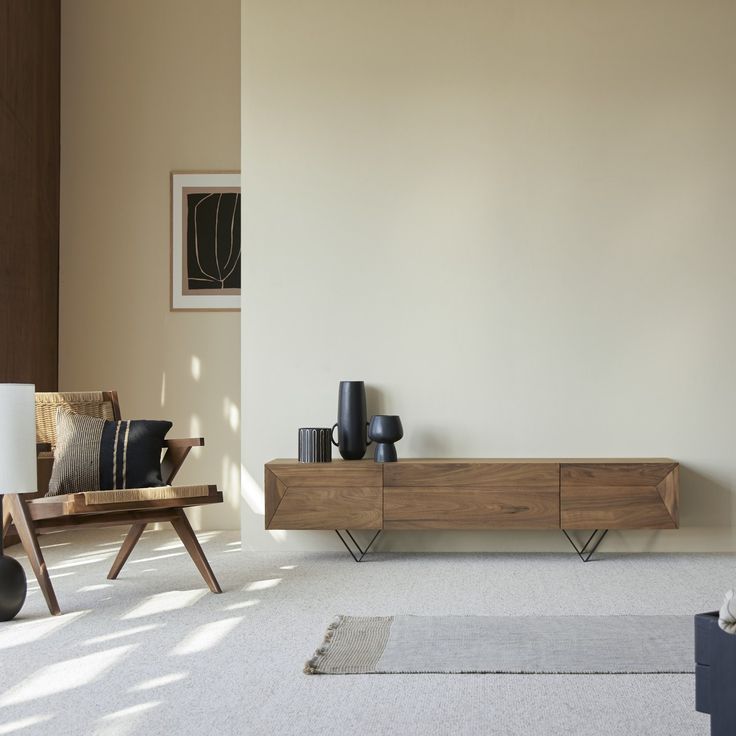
[
  {"x": 206, "y": 255},
  {"x": 213, "y": 241}
]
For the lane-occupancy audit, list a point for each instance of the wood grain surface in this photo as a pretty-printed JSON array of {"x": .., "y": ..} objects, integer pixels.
[
  {"x": 468, "y": 507},
  {"x": 29, "y": 198},
  {"x": 631, "y": 496},
  {"x": 456, "y": 474},
  {"x": 473, "y": 494},
  {"x": 351, "y": 507}
]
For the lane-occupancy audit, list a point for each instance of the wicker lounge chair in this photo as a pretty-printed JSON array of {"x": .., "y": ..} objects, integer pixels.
[{"x": 136, "y": 507}]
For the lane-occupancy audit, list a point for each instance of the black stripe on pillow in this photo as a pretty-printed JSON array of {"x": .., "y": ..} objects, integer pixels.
[
  {"x": 119, "y": 456},
  {"x": 106, "y": 450}
]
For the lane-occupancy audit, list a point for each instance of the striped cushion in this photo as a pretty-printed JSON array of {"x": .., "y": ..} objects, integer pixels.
[{"x": 97, "y": 454}]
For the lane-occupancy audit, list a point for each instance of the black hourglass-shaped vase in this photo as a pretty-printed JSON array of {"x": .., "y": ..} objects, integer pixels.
[{"x": 384, "y": 431}]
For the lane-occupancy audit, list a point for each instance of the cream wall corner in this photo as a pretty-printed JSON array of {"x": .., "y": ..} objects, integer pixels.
[
  {"x": 514, "y": 220},
  {"x": 147, "y": 88}
]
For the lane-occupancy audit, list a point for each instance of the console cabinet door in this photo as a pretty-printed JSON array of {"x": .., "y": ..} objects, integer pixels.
[
  {"x": 637, "y": 495},
  {"x": 471, "y": 495},
  {"x": 324, "y": 495}
]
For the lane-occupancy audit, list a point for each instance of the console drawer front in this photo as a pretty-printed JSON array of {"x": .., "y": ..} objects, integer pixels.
[
  {"x": 335, "y": 474},
  {"x": 619, "y": 496},
  {"x": 471, "y": 495},
  {"x": 470, "y": 507},
  {"x": 337, "y": 495},
  {"x": 352, "y": 507},
  {"x": 501, "y": 475}
]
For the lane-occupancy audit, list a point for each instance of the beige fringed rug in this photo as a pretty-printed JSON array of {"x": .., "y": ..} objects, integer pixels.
[{"x": 506, "y": 644}]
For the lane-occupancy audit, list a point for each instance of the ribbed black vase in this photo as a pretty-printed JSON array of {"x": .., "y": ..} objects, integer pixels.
[{"x": 352, "y": 420}]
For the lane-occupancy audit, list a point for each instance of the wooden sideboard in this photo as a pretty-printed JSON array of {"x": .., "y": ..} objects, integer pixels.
[
  {"x": 565, "y": 494},
  {"x": 473, "y": 494}
]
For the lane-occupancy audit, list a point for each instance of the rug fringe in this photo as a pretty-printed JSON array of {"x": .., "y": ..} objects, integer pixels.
[{"x": 310, "y": 668}]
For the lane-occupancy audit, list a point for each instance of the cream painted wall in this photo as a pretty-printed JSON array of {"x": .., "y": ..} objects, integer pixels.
[
  {"x": 514, "y": 219},
  {"x": 148, "y": 87}
]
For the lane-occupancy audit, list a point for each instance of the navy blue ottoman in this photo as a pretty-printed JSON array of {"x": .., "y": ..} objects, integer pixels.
[{"x": 715, "y": 674}]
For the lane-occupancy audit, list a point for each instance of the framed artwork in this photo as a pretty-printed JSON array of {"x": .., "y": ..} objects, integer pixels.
[{"x": 206, "y": 258}]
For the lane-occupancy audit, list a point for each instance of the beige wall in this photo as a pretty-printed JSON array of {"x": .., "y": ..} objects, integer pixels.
[
  {"x": 148, "y": 87},
  {"x": 515, "y": 220}
]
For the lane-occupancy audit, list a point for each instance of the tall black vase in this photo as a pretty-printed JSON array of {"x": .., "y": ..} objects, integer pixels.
[{"x": 352, "y": 420}]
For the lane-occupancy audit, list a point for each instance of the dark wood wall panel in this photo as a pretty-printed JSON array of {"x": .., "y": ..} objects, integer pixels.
[{"x": 29, "y": 191}]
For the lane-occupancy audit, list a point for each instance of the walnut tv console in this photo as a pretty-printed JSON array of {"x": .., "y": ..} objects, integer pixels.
[{"x": 563, "y": 494}]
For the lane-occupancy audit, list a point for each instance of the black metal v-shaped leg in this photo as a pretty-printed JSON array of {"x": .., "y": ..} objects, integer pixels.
[
  {"x": 581, "y": 550},
  {"x": 362, "y": 552}
]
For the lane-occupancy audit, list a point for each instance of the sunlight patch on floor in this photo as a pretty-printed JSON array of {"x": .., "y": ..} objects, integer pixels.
[
  {"x": 262, "y": 584},
  {"x": 93, "y": 553},
  {"x": 172, "y": 600},
  {"x": 21, "y": 723},
  {"x": 120, "y": 634},
  {"x": 100, "y": 557},
  {"x": 132, "y": 710},
  {"x": 206, "y": 636},
  {"x": 55, "y": 576},
  {"x": 243, "y": 604},
  {"x": 159, "y": 681},
  {"x": 168, "y": 547},
  {"x": 125, "y": 721},
  {"x": 204, "y": 537},
  {"x": 25, "y": 632},
  {"x": 62, "y": 676},
  {"x": 155, "y": 557},
  {"x": 33, "y": 585}
]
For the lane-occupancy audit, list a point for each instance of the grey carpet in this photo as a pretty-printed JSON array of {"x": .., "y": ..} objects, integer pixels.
[
  {"x": 506, "y": 645},
  {"x": 155, "y": 653}
]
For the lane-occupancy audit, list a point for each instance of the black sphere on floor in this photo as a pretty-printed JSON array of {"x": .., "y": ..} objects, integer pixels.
[{"x": 12, "y": 587}]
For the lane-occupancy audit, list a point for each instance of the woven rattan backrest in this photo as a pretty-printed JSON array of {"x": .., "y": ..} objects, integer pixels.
[{"x": 102, "y": 404}]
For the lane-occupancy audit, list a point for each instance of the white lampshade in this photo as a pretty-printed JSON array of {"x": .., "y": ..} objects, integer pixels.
[{"x": 18, "y": 438}]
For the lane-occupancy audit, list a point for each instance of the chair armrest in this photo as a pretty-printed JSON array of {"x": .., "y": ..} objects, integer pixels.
[{"x": 188, "y": 442}]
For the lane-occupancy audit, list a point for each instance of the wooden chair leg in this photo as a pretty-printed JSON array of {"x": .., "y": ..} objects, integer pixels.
[
  {"x": 134, "y": 534},
  {"x": 186, "y": 534},
  {"x": 27, "y": 533},
  {"x": 6, "y": 523}
]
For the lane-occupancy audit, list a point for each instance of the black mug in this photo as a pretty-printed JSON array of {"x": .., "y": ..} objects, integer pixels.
[{"x": 315, "y": 445}]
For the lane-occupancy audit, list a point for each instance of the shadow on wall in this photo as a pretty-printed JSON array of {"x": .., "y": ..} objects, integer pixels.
[{"x": 704, "y": 500}]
